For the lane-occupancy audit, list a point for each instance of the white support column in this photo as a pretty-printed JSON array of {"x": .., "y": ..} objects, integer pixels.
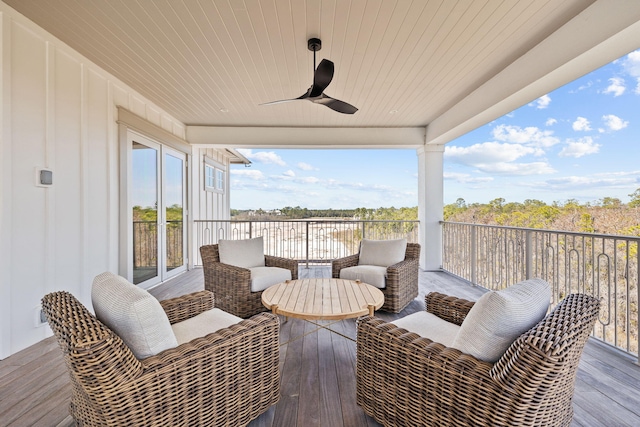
[{"x": 430, "y": 205}]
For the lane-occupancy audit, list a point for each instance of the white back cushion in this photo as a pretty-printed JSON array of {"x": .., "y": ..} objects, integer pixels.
[
  {"x": 382, "y": 252},
  {"x": 498, "y": 318},
  {"x": 242, "y": 253},
  {"x": 133, "y": 314},
  {"x": 203, "y": 324}
]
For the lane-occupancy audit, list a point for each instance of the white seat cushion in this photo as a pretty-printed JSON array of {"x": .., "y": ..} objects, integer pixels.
[
  {"x": 263, "y": 277},
  {"x": 242, "y": 253},
  {"x": 428, "y": 325},
  {"x": 498, "y": 318},
  {"x": 203, "y": 324},
  {"x": 382, "y": 253},
  {"x": 371, "y": 274},
  {"x": 133, "y": 314}
]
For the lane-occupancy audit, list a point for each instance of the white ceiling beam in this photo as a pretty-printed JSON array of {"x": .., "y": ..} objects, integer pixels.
[
  {"x": 297, "y": 137},
  {"x": 602, "y": 33}
]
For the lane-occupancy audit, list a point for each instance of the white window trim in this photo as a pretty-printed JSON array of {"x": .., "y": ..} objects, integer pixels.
[{"x": 217, "y": 187}]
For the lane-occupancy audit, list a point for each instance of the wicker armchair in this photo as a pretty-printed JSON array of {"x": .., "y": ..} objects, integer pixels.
[
  {"x": 225, "y": 378},
  {"x": 402, "y": 278},
  {"x": 406, "y": 380},
  {"x": 231, "y": 285}
]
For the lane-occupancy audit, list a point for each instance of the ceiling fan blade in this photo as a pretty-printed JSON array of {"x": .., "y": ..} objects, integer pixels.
[
  {"x": 303, "y": 96},
  {"x": 321, "y": 78},
  {"x": 336, "y": 104}
]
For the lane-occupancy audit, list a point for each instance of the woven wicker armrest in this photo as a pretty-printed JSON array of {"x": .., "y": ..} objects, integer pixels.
[
  {"x": 187, "y": 306},
  {"x": 379, "y": 336},
  {"x": 546, "y": 354},
  {"x": 289, "y": 264},
  {"x": 405, "y": 263},
  {"x": 263, "y": 327},
  {"x": 220, "y": 269},
  {"x": 450, "y": 308},
  {"x": 404, "y": 268},
  {"x": 340, "y": 263}
]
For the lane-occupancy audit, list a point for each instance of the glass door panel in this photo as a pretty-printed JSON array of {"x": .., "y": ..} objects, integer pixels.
[
  {"x": 174, "y": 201},
  {"x": 144, "y": 201},
  {"x": 158, "y": 210}
]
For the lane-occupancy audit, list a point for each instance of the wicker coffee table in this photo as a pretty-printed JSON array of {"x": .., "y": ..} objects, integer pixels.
[{"x": 322, "y": 299}]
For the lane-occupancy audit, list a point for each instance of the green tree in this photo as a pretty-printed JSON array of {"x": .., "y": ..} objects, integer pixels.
[
  {"x": 586, "y": 223},
  {"x": 610, "y": 202},
  {"x": 635, "y": 199}
]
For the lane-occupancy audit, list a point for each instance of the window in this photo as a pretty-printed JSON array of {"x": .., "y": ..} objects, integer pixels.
[
  {"x": 209, "y": 177},
  {"x": 220, "y": 180},
  {"x": 214, "y": 174}
]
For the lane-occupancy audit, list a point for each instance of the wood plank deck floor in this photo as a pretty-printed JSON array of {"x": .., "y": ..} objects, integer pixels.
[{"x": 318, "y": 371}]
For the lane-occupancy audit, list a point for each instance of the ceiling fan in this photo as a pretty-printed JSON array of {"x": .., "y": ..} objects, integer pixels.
[{"x": 321, "y": 78}]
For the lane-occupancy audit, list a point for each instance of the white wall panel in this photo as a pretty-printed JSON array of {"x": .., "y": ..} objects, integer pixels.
[
  {"x": 6, "y": 200},
  {"x": 58, "y": 111},
  {"x": 137, "y": 105},
  {"x": 166, "y": 123},
  {"x": 68, "y": 173},
  {"x": 29, "y": 203},
  {"x": 154, "y": 116},
  {"x": 120, "y": 96},
  {"x": 98, "y": 180}
]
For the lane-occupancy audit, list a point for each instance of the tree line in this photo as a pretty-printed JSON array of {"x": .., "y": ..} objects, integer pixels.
[
  {"x": 608, "y": 215},
  {"x": 297, "y": 212}
]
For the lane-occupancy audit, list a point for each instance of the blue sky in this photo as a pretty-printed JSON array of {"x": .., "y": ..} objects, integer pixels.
[{"x": 581, "y": 141}]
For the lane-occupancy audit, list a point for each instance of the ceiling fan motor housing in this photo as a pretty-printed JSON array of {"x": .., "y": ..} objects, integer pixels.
[{"x": 314, "y": 44}]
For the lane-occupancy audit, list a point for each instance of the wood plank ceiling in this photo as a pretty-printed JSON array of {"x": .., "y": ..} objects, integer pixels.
[{"x": 211, "y": 62}]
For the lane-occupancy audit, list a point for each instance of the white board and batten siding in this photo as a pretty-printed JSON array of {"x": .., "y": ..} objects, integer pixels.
[{"x": 59, "y": 112}]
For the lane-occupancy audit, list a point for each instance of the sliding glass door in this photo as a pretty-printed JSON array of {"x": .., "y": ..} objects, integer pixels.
[{"x": 157, "y": 203}]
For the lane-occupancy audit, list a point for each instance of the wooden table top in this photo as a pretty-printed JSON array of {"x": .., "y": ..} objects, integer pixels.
[{"x": 322, "y": 299}]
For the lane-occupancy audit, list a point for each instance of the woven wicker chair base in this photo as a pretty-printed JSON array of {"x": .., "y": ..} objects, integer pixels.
[
  {"x": 231, "y": 285},
  {"x": 402, "y": 278},
  {"x": 227, "y": 378},
  {"x": 406, "y": 380}
]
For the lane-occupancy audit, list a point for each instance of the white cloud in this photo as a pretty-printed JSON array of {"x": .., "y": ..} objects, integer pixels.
[
  {"x": 533, "y": 168},
  {"x": 616, "y": 86},
  {"x": 579, "y": 148},
  {"x": 308, "y": 180},
  {"x": 249, "y": 173},
  {"x": 614, "y": 122},
  {"x": 267, "y": 157},
  {"x": 465, "y": 178},
  {"x": 497, "y": 158},
  {"x": 581, "y": 124},
  {"x": 529, "y": 136},
  {"x": 290, "y": 176},
  {"x": 585, "y": 86},
  {"x": 486, "y": 152},
  {"x": 550, "y": 122},
  {"x": 627, "y": 181},
  {"x": 631, "y": 65},
  {"x": 543, "y": 102},
  {"x": 306, "y": 167}
]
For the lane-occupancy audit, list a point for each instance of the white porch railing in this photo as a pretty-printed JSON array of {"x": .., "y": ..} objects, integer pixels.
[
  {"x": 309, "y": 241},
  {"x": 605, "y": 266}
]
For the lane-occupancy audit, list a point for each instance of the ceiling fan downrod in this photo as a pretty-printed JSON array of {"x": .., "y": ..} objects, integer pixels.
[{"x": 314, "y": 45}]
